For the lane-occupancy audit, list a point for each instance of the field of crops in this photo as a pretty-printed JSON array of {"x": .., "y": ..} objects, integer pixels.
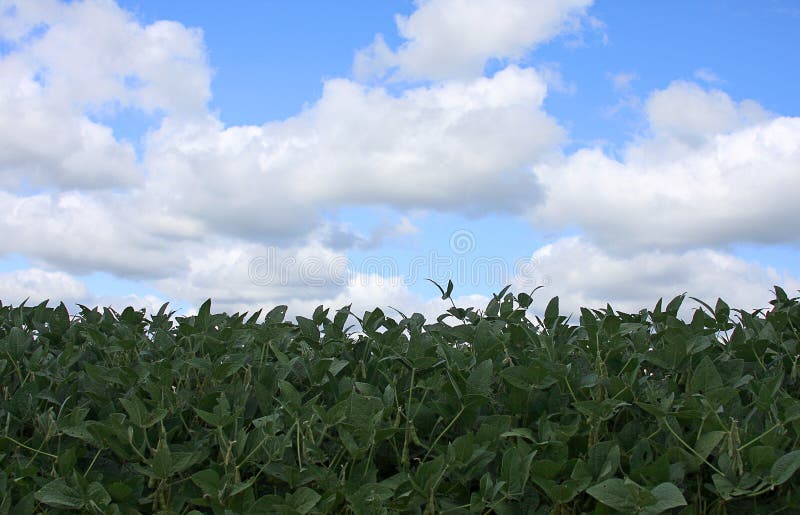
[{"x": 487, "y": 411}]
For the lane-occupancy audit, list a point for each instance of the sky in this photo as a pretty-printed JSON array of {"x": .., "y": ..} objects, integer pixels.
[{"x": 335, "y": 153}]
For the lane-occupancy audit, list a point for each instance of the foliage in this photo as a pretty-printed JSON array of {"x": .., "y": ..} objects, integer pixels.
[{"x": 487, "y": 411}]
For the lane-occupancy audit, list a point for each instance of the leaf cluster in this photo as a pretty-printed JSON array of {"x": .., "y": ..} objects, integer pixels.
[{"x": 480, "y": 411}]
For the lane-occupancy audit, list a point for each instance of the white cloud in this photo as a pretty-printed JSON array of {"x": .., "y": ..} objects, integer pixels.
[
  {"x": 582, "y": 274},
  {"x": 461, "y": 146},
  {"x": 691, "y": 114},
  {"x": 81, "y": 233},
  {"x": 365, "y": 292},
  {"x": 551, "y": 73},
  {"x": 206, "y": 200},
  {"x": 710, "y": 175},
  {"x": 45, "y": 143},
  {"x": 707, "y": 76},
  {"x": 92, "y": 53},
  {"x": 455, "y": 38},
  {"x": 71, "y": 62},
  {"x": 236, "y": 274},
  {"x": 39, "y": 285},
  {"x": 621, "y": 81},
  {"x": 150, "y": 303}
]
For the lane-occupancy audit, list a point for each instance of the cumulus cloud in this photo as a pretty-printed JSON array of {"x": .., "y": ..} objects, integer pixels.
[
  {"x": 583, "y": 274},
  {"x": 238, "y": 213},
  {"x": 457, "y": 145},
  {"x": 236, "y": 274},
  {"x": 711, "y": 173},
  {"x": 69, "y": 63},
  {"x": 461, "y": 146},
  {"x": 691, "y": 114},
  {"x": 119, "y": 61},
  {"x": 455, "y": 38},
  {"x": 38, "y": 285},
  {"x": 44, "y": 143},
  {"x": 79, "y": 233}
]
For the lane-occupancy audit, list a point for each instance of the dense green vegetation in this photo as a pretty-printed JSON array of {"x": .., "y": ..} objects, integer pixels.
[{"x": 487, "y": 411}]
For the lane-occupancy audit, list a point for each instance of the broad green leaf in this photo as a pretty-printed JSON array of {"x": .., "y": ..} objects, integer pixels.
[
  {"x": 320, "y": 314},
  {"x": 161, "y": 462},
  {"x": 515, "y": 470},
  {"x": 622, "y": 495},
  {"x": 480, "y": 379},
  {"x": 667, "y": 496},
  {"x": 18, "y": 342},
  {"x": 304, "y": 499},
  {"x": 708, "y": 442},
  {"x": 97, "y": 494},
  {"x": 290, "y": 395},
  {"x": 204, "y": 314},
  {"x": 428, "y": 474},
  {"x": 603, "y": 460},
  {"x": 208, "y": 481},
  {"x": 60, "y": 495},
  {"x": 551, "y": 312},
  {"x": 522, "y": 432},
  {"x": 721, "y": 312},
  {"x": 364, "y": 411},
  {"x": 275, "y": 315},
  {"x": 705, "y": 377},
  {"x": 308, "y": 328},
  {"x": 675, "y": 305},
  {"x": 785, "y": 467},
  {"x": 135, "y": 409},
  {"x": 120, "y": 492}
]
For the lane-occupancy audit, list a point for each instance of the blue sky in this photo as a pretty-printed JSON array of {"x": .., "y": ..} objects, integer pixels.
[{"x": 613, "y": 151}]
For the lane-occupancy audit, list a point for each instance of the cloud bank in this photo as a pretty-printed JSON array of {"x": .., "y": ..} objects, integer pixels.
[{"x": 420, "y": 128}]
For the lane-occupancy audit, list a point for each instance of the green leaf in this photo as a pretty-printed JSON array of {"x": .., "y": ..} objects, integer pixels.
[
  {"x": 705, "y": 378},
  {"x": 480, "y": 379},
  {"x": 784, "y": 467},
  {"x": 304, "y": 499},
  {"x": 97, "y": 494},
  {"x": 428, "y": 474},
  {"x": 60, "y": 495},
  {"x": 211, "y": 419},
  {"x": 551, "y": 312},
  {"x": 120, "y": 492},
  {"x": 721, "y": 312},
  {"x": 675, "y": 305},
  {"x": 290, "y": 395},
  {"x": 622, "y": 495},
  {"x": 18, "y": 342},
  {"x": 161, "y": 462},
  {"x": 708, "y": 442},
  {"x": 522, "y": 432},
  {"x": 320, "y": 314},
  {"x": 603, "y": 460},
  {"x": 667, "y": 496},
  {"x": 308, "y": 328},
  {"x": 515, "y": 470},
  {"x": 275, "y": 315},
  {"x": 341, "y": 318},
  {"x": 208, "y": 481},
  {"x": 364, "y": 411},
  {"x": 204, "y": 315},
  {"x": 136, "y": 410}
]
